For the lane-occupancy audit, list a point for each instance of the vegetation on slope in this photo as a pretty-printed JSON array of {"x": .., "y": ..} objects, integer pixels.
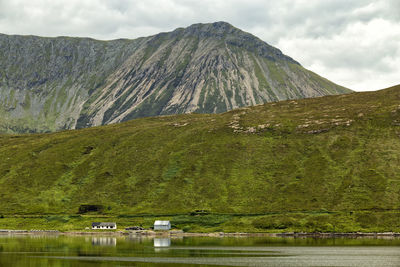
[
  {"x": 336, "y": 154},
  {"x": 50, "y": 84}
]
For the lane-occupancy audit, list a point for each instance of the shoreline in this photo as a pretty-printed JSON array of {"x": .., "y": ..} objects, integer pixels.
[{"x": 147, "y": 233}]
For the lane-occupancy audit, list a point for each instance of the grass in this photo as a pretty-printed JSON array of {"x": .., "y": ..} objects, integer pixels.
[
  {"x": 360, "y": 221},
  {"x": 323, "y": 164}
]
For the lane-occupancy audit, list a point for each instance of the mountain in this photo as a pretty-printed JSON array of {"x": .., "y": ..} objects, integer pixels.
[
  {"x": 333, "y": 154},
  {"x": 48, "y": 84}
]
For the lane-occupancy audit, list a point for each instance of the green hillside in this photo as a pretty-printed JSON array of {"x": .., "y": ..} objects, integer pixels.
[{"x": 338, "y": 154}]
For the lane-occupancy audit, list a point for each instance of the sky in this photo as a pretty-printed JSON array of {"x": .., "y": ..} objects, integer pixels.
[{"x": 352, "y": 43}]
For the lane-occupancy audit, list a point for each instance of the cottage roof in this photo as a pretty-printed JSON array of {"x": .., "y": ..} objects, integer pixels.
[
  {"x": 161, "y": 223},
  {"x": 104, "y": 224}
]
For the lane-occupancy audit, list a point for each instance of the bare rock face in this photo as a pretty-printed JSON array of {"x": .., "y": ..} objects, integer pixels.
[{"x": 48, "y": 84}]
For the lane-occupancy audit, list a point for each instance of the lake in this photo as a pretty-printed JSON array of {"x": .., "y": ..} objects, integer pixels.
[{"x": 64, "y": 250}]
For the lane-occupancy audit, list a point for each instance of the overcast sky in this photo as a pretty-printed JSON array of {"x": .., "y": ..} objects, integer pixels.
[{"x": 355, "y": 43}]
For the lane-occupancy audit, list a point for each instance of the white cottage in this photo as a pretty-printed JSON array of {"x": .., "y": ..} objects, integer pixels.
[
  {"x": 162, "y": 225},
  {"x": 104, "y": 225}
]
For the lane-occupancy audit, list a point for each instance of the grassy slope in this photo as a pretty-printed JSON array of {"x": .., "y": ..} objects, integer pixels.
[{"x": 331, "y": 154}]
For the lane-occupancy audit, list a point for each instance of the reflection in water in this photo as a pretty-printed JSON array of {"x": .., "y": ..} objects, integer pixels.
[
  {"x": 162, "y": 242},
  {"x": 137, "y": 239},
  {"x": 21, "y": 251},
  {"x": 104, "y": 241}
]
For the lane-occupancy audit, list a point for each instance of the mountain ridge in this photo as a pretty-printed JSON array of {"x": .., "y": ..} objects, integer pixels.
[{"x": 48, "y": 84}]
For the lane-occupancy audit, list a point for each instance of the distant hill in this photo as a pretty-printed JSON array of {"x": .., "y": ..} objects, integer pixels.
[
  {"x": 48, "y": 84},
  {"x": 332, "y": 153}
]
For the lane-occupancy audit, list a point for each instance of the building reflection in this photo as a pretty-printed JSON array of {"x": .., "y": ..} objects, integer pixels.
[
  {"x": 104, "y": 241},
  {"x": 162, "y": 242}
]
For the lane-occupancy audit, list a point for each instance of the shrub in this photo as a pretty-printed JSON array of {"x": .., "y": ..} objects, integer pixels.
[
  {"x": 90, "y": 208},
  {"x": 273, "y": 222},
  {"x": 366, "y": 219},
  {"x": 186, "y": 229},
  {"x": 321, "y": 223}
]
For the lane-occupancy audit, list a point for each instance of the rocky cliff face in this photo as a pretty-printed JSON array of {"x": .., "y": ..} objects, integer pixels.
[{"x": 48, "y": 84}]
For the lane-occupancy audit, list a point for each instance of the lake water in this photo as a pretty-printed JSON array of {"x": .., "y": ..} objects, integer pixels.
[{"x": 61, "y": 250}]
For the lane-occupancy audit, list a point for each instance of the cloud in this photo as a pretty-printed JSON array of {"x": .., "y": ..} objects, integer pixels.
[{"x": 353, "y": 43}]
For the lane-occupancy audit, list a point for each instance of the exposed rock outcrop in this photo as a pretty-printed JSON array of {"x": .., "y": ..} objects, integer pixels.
[{"x": 48, "y": 84}]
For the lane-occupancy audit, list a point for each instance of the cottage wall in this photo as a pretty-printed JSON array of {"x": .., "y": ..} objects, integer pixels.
[{"x": 162, "y": 225}]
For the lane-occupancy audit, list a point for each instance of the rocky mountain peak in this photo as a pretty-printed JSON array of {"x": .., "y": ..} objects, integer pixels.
[
  {"x": 225, "y": 32},
  {"x": 217, "y": 29},
  {"x": 67, "y": 83}
]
